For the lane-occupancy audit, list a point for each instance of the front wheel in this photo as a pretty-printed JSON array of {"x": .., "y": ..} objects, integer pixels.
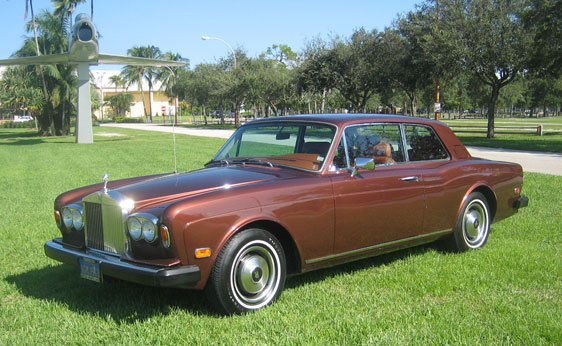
[
  {"x": 249, "y": 272},
  {"x": 473, "y": 224}
]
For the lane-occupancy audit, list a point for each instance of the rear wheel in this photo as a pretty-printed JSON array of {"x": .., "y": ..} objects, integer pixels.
[
  {"x": 249, "y": 272},
  {"x": 473, "y": 224}
]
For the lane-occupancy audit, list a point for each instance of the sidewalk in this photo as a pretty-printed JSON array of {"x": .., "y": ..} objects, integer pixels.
[
  {"x": 532, "y": 161},
  {"x": 178, "y": 129}
]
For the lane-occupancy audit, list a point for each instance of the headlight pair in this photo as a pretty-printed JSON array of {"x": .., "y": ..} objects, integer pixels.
[
  {"x": 143, "y": 226},
  {"x": 72, "y": 217}
]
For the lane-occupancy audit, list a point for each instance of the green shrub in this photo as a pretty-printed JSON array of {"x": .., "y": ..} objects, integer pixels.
[
  {"x": 17, "y": 125},
  {"x": 128, "y": 120}
]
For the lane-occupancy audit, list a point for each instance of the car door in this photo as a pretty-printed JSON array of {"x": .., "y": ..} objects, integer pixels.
[{"x": 376, "y": 206}]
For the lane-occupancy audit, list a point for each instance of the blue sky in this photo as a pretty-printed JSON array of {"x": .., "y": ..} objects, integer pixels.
[{"x": 175, "y": 25}]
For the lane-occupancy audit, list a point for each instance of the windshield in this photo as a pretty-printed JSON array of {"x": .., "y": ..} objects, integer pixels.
[{"x": 297, "y": 145}]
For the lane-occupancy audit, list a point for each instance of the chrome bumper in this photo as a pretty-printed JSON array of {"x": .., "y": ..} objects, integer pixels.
[{"x": 112, "y": 265}]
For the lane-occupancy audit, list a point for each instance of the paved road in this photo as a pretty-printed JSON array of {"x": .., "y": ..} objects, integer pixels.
[{"x": 532, "y": 161}]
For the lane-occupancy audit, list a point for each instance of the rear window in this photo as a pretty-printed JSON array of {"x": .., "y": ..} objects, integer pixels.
[{"x": 423, "y": 144}]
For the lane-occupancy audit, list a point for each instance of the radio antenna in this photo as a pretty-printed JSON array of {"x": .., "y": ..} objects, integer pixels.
[{"x": 174, "y": 136}]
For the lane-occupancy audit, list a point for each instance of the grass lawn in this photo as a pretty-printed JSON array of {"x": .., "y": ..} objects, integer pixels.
[
  {"x": 509, "y": 292},
  {"x": 550, "y": 141}
]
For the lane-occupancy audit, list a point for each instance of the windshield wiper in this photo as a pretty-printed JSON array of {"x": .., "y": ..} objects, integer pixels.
[
  {"x": 217, "y": 162},
  {"x": 252, "y": 162}
]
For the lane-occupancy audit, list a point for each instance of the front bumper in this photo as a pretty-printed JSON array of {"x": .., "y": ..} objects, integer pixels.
[
  {"x": 521, "y": 202},
  {"x": 114, "y": 266}
]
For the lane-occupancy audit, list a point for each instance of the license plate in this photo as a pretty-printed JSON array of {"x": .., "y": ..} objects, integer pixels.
[{"x": 90, "y": 270}]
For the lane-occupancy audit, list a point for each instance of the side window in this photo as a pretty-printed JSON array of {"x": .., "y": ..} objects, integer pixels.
[
  {"x": 379, "y": 141},
  {"x": 423, "y": 144},
  {"x": 340, "y": 160}
]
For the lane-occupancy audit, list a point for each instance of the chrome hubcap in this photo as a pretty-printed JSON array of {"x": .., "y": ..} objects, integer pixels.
[
  {"x": 475, "y": 223},
  {"x": 255, "y": 274}
]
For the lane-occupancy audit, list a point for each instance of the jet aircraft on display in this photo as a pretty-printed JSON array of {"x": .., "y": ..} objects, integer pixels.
[{"x": 84, "y": 51}]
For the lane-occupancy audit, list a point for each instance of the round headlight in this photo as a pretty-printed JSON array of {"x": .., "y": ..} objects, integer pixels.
[
  {"x": 148, "y": 231},
  {"x": 67, "y": 218},
  {"x": 77, "y": 219},
  {"x": 135, "y": 228}
]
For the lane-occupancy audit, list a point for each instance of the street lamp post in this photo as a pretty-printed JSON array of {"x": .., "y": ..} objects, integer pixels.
[
  {"x": 205, "y": 38},
  {"x": 100, "y": 79}
]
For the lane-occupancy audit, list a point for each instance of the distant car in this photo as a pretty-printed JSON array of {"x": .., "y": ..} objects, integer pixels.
[
  {"x": 23, "y": 119},
  {"x": 287, "y": 195}
]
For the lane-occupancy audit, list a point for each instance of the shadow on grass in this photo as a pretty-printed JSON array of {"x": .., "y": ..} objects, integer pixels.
[
  {"x": 121, "y": 301},
  {"x": 359, "y": 265},
  {"x": 127, "y": 303},
  {"x": 9, "y": 134},
  {"x": 21, "y": 141}
]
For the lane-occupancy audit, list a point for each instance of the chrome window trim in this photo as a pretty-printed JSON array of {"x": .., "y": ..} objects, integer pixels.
[
  {"x": 448, "y": 158},
  {"x": 266, "y": 122},
  {"x": 343, "y": 137}
]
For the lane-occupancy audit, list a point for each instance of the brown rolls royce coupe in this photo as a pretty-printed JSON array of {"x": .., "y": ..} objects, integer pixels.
[{"x": 284, "y": 196}]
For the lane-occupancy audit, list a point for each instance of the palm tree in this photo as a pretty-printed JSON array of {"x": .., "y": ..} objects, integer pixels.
[
  {"x": 136, "y": 74},
  {"x": 65, "y": 8},
  {"x": 168, "y": 77},
  {"x": 29, "y": 6},
  {"x": 59, "y": 79},
  {"x": 117, "y": 80}
]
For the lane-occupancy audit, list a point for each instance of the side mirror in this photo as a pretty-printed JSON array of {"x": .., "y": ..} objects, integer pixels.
[{"x": 362, "y": 163}]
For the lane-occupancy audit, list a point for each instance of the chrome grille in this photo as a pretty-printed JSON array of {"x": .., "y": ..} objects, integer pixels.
[
  {"x": 104, "y": 221},
  {"x": 94, "y": 223}
]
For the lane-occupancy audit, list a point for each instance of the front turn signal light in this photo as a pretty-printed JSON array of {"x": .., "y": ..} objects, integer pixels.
[
  {"x": 203, "y": 253},
  {"x": 165, "y": 235},
  {"x": 58, "y": 218}
]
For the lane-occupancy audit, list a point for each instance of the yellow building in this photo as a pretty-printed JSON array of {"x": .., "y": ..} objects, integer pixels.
[{"x": 157, "y": 103}]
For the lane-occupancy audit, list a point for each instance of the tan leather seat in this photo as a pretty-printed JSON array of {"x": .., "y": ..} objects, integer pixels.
[{"x": 383, "y": 153}]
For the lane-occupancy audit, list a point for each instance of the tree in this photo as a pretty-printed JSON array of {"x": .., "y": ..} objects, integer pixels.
[
  {"x": 58, "y": 79},
  {"x": 120, "y": 103},
  {"x": 29, "y": 6},
  {"x": 351, "y": 66},
  {"x": 137, "y": 74},
  {"x": 64, "y": 10},
  {"x": 283, "y": 54},
  {"x": 315, "y": 76},
  {"x": 117, "y": 81},
  {"x": 19, "y": 92},
  {"x": 544, "y": 19},
  {"x": 406, "y": 66},
  {"x": 168, "y": 77},
  {"x": 490, "y": 41}
]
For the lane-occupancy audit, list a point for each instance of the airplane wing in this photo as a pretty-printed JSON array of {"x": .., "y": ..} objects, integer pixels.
[
  {"x": 133, "y": 60},
  {"x": 37, "y": 60}
]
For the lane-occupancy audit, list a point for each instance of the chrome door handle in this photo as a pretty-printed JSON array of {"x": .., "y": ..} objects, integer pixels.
[{"x": 410, "y": 178}]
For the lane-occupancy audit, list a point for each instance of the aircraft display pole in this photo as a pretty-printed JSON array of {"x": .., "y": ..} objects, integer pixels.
[{"x": 84, "y": 132}]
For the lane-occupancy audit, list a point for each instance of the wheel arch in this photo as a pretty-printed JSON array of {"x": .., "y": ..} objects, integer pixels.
[
  {"x": 490, "y": 198},
  {"x": 292, "y": 255}
]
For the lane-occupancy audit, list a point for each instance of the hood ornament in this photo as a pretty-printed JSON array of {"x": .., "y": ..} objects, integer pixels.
[{"x": 105, "y": 179}]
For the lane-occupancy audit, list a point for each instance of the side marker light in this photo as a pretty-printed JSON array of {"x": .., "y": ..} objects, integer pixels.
[{"x": 202, "y": 253}]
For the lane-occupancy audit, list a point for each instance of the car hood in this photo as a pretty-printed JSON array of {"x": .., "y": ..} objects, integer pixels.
[{"x": 176, "y": 186}]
